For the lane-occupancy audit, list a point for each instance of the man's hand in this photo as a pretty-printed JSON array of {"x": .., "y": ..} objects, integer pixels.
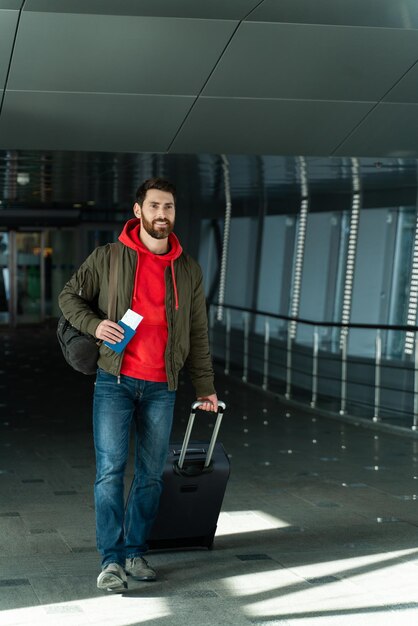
[
  {"x": 109, "y": 331},
  {"x": 210, "y": 403}
]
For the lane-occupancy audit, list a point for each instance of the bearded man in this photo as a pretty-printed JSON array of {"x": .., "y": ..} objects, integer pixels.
[{"x": 160, "y": 282}]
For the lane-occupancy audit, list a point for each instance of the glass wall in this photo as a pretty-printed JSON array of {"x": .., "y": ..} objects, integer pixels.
[
  {"x": 4, "y": 278},
  {"x": 318, "y": 273},
  {"x": 28, "y": 275},
  {"x": 209, "y": 255},
  {"x": 275, "y": 272},
  {"x": 255, "y": 346},
  {"x": 370, "y": 287},
  {"x": 35, "y": 265},
  {"x": 400, "y": 275},
  {"x": 382, "y": 270},
  {"x": 63, "y": 245},
  {"x": 241, "y": 275},
  {"x": 241, "y": 262}
]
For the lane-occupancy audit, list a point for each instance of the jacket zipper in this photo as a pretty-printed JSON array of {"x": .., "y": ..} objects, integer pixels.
[{"x": 130, "y": 303}]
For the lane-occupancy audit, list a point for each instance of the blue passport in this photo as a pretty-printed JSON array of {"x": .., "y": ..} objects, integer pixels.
[{"x": 121, "y": 345}]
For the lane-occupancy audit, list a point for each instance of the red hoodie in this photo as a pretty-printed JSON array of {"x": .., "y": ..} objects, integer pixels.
[{"x": 144, "y": 355}]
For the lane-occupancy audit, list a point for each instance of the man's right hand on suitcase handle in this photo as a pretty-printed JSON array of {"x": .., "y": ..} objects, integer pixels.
[{"x": 209, "y": 403}]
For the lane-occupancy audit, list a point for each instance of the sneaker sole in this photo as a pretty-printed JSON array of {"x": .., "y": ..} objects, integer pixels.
[{"x": 112, "y": 584}]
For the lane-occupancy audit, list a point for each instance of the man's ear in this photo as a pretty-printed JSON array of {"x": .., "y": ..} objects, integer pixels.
[{"x": 137, "y": 210}]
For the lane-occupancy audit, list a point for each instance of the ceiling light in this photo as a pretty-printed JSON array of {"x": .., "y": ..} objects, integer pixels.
[{"x": 23, "y": 178}]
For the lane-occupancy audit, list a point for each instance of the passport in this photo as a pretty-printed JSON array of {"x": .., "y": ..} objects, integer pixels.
[{"x": 129, "y": 322}]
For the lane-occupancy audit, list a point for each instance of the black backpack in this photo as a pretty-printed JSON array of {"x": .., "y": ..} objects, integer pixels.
[{"x": 81, "y": 350}]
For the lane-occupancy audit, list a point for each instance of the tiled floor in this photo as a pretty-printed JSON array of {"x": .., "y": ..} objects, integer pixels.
[{"x": 319, "y": 524}]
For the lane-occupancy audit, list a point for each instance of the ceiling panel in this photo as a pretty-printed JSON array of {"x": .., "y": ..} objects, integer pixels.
[
  {"x": 8, "y": 22},
  {"x": 389, "y": 130},
  {"x": 11, "y": 4},
  {"x": 114, "y": 54},
  {"x": 314, "y": 62},
  {"x": 245, "y": 126},
  {"x": 407, "y": 88},
  {"x": 57, "y": 121},
  {"x": 216, "y": 9},
  {"x": 386, "y": 13}
]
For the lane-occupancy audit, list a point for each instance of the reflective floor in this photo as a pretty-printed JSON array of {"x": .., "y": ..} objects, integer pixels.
[{"x": 319, "y": 523}]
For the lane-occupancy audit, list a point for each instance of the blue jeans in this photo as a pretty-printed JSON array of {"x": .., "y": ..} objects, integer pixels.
[{"x": 122, "y": 532}]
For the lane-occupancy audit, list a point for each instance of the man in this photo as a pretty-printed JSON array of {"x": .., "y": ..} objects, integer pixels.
[{"x": 164, "y": 285}]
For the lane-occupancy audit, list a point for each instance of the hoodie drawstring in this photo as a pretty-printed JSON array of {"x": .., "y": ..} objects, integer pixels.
[{"x": 175, "y": 285}]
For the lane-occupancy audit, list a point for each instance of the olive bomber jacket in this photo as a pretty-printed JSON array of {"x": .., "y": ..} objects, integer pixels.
[{"x": 84, "y": 301}]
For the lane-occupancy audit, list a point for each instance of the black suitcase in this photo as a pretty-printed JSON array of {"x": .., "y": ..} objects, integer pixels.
[{"x": 195, "y": 478}]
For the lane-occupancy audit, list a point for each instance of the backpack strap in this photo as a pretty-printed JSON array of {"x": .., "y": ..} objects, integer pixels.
[{"x": 113, "y": 281}]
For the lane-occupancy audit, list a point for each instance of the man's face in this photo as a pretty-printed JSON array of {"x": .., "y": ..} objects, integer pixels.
[{"x": 157, "y": 213}]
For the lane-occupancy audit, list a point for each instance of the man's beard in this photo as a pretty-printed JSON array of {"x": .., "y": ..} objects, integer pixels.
[{"x": 158, "y": 232}]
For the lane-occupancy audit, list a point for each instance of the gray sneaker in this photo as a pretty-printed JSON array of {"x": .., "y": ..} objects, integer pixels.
[
  {"x": 139, "y": 569},
  {"x": 112, "y": 578}
]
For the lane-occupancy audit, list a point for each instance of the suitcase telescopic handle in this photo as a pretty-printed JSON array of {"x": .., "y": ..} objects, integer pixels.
[{"x": 195, "y": 406}]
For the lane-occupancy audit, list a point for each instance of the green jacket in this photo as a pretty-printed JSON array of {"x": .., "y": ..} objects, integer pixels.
[{"x": 84, "y": 301}]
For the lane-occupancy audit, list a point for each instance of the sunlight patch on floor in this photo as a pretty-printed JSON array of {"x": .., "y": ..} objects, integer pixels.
[
  {"x": 112, "y": 610},
  {"x": 236, "y": 522},
  {"x": 361, "y": 565},
  {"x": 315, "y": 593}
]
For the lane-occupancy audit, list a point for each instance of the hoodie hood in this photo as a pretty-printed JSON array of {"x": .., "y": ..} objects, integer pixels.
[{"x": 130, "y": 237}]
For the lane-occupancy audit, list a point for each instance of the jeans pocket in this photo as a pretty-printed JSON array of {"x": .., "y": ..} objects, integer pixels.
[
  {"x": 105, "y": 376},
  {"x": 102, "y": 371}
]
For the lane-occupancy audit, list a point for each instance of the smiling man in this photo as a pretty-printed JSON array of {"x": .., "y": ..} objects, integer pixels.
[{"x": 158, "y": 280}]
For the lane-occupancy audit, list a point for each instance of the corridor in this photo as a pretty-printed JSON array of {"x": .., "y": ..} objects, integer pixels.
[{"x": 319, "y": 524}]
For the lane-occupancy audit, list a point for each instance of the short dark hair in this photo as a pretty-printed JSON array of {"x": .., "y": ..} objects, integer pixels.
[{"x": 154, "y": 183}]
